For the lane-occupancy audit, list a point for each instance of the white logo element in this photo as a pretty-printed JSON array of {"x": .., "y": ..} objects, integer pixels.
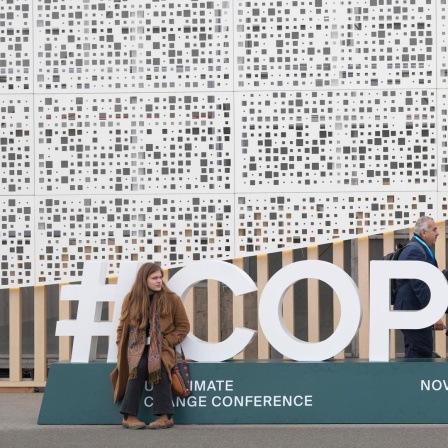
[
  {"x": 271, "y": 314},
  {"x": 382, "y": 319},
  {"x": 239, "y": 282},
  {"x": 93, "y": 290}
]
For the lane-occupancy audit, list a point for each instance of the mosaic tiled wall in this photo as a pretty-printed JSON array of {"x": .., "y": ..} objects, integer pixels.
[{"x": 176, "y": 131}]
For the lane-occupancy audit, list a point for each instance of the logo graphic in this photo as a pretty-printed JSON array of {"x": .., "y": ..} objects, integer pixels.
[{"x": 91, "y": 294}]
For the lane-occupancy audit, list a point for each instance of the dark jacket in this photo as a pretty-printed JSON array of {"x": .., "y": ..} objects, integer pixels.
[{"x": 413, "y": 294}]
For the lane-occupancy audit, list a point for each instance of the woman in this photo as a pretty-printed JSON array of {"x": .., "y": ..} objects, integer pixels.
[{"x": 153, "y": 320}]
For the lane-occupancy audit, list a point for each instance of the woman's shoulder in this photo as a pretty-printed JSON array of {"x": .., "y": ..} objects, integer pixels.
[
  {"x": 173, "y": 296},
  {"x": 175, "y": 300}
]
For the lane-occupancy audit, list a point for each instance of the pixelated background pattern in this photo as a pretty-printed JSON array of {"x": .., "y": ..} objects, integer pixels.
[
  {"x": 442, "y": 44},
  {"x": 142, "y": 143},
  {"x": 166, "y": 229},
  {"x": 16, "y": 46},
  {"x": 442, "y": 139},
  {"x": 337, "y": 141},
  {"x": 179, "y": 131},
  {"x": 335, "y": 44},
  {"x": 268, "y": 222},
  {"x": 16, "y": 145},
  {"x": 133, "y": 46},
  {"x": 17, "y": 241}
]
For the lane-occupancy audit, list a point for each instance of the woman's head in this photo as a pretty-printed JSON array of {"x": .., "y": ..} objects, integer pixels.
[
  {"x": 150, "y": 276},
  {"x": 148, "y": 283}
]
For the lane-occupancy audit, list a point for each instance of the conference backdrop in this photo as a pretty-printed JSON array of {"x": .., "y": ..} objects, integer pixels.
[{"x": 173, "y": 131}]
